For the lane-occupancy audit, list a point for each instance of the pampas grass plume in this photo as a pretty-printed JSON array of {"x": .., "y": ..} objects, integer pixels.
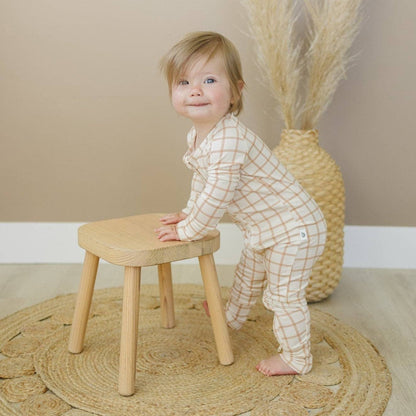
[
  {"x": 332, "y": 28},
  {"x": 272, "y": 25}
]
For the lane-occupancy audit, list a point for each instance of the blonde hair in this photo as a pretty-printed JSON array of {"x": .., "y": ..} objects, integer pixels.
[{"x": 205, "y": 44}]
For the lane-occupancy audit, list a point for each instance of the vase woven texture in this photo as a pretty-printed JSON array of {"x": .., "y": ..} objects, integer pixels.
[{"x": 318, "y": 173}]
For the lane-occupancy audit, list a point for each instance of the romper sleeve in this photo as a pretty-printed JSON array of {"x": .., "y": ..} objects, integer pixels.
[
  {"x": 197, "y": 187},
  {"x": 226, "y": 155}
]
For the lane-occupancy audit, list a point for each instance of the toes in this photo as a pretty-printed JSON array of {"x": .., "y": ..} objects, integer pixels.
[
  {"x": 262, "y": 368},
  {"x": 274, "y": 366}
]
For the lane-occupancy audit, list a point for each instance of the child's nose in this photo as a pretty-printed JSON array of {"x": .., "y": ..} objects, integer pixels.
[{"x": 196, "y": 91}]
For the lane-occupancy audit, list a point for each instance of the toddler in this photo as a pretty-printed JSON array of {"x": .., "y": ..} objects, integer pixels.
[{"x": 235, "y": 172}]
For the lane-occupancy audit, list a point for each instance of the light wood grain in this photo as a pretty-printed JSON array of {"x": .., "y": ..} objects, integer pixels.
[
  {"x": 132, "y": 241},
  {"x": 166, "y": 295},
  {"x": 216, "y": 309},
  {"x": 83, "y": 303},
  {"x": 129, "y": 331}
]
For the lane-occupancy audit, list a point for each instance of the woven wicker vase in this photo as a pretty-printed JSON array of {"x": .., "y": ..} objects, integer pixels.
[{"x": 318, "y": 173}]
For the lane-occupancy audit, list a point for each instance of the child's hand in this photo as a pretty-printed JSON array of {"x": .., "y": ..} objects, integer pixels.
[
  {"x": 173, "y": 218},
  {"x": 167, "y": 233}
]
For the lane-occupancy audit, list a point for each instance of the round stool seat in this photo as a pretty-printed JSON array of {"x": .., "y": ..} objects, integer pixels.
[{"x": 132, "y": 241}]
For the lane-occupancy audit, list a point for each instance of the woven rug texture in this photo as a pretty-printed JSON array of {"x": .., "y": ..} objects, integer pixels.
[{"x": 178, "y": 372}]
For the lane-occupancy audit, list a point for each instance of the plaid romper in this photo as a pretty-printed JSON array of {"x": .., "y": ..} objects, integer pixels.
[{"x": 284, "y": 229}]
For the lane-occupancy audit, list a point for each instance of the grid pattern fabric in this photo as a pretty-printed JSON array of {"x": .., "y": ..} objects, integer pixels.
[
  {"x": 235, "y": 172},
  {"x": 284, "y": 229},
  {"x": 282, "y": 272}
]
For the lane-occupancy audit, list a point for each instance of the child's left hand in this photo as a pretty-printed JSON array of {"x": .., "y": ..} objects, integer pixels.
[{"x": 167, "y": 233}]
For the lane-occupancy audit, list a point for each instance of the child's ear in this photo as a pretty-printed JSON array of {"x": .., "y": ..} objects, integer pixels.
[{"x": 240, "y": 85}]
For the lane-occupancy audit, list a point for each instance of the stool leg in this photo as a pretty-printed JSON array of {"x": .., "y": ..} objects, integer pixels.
[
  {"x": 219, "y": 325},
  {"x": 129, "y": 331},
  {"x": 83, "y": 303},
  {"x": 166, "y": 295}
]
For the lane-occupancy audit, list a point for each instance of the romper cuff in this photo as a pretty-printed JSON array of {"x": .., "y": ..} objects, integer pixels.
[{"x": 181, "y": 234}]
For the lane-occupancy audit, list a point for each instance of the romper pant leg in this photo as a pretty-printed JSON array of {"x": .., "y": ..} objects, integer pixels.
[
  {"x": 248, "y": 284},
  {"x": 289, "y": 266}
]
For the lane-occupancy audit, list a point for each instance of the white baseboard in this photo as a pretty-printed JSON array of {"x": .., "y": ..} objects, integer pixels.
[{"x": 365, "y": 247}]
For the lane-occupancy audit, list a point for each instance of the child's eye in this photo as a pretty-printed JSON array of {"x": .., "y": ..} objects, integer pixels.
[
  {"x": 183, "y": 82},
  {"x": 209, "y": 81}
]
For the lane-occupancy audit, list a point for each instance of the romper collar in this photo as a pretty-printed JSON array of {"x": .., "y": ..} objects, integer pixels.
[{"x": 191, "y": 137}]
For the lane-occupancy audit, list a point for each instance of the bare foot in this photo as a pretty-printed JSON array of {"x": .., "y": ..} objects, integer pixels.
[
  {"x": 206, "y": 308},
  {"x": 275, "y": 366}
]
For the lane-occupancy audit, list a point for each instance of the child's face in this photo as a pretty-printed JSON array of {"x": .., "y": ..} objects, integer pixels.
[{"x": 203, "y": 93}]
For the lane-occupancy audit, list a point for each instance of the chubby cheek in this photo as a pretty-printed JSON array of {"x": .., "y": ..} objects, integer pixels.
[
  {"x": 177, "y": 101},
  {"x": 223, "y": 100}
]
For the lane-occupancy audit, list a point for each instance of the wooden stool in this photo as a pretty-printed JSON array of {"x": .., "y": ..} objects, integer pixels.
[{"x": 131, "y": 242}]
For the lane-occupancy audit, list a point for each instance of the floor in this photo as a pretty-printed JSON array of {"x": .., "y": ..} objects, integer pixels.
[{"x": 381, "y": 304}]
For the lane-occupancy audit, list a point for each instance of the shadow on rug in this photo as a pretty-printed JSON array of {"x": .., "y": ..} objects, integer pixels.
[{"x": 177, "y": 369}]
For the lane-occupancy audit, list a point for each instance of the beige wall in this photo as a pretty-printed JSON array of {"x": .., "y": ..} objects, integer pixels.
[{"x": 87, "y": 130}]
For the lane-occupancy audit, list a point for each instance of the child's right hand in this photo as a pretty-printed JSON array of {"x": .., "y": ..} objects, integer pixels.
[{"x": 173, "y": 218}]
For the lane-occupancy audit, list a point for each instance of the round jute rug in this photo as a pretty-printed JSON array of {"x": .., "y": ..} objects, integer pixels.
[{"x": 177, "y": 369}]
